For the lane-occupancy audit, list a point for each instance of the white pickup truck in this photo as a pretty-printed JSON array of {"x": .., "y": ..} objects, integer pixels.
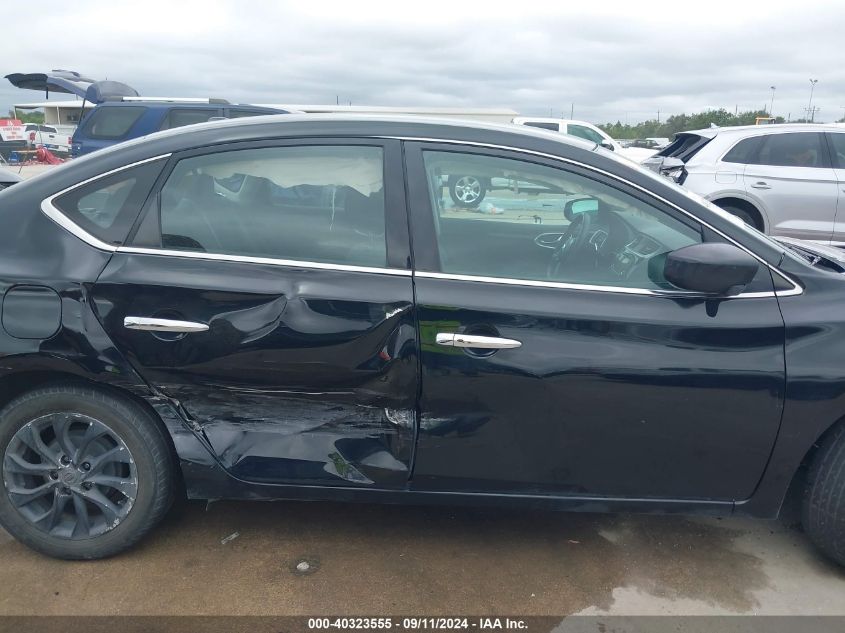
[{"x": 54, "y": 138}]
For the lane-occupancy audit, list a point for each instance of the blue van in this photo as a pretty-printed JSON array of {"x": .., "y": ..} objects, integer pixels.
[{"x": 116, "y": 121}]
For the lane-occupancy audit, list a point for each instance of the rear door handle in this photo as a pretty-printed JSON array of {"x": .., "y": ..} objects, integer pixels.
[
  {"x": 450, "y": 339},
  {"x": 761, "y": 185},
  {"x": 163, "y": 325}
]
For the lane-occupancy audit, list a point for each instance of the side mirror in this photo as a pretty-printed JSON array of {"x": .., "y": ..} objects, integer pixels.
[
  {"x": 710, "y": 268},
  {"x": 608, "y": 145},
  {"x": 582, "y": 205}
]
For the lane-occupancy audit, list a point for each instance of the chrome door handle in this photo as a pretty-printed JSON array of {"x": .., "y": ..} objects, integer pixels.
[
  {"x": 163, "y": 325},
  {"x": 450, "y": 339},
  {"x": 761, "y": 185}
]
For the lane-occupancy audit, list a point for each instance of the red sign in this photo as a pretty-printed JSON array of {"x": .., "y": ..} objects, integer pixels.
[{"x": 10, "y": 123}]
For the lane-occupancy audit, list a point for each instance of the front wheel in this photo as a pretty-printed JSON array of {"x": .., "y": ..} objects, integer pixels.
[
  {"x": 823, "y": 514},
  {"x": 467, "y": 191},
  {"x": 86, "y": 474}
]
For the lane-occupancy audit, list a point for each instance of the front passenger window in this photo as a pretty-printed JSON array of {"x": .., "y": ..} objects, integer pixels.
[
  {"x": 308, "y": 203},
  {"x": 504, "y": 218}
]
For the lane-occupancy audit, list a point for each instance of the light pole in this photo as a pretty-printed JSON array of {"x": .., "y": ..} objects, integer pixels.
[
  {"x": 772, "y": 104},
  {"x": 810, "y": 112}
]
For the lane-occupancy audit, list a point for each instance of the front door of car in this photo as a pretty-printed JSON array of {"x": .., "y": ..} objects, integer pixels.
[
  {"x": 267, "y": 291},
  {"x": 791, "y": 178},
  {"x": 569, "y": 366}
]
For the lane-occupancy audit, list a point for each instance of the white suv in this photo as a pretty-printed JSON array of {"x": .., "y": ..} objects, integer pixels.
[{"x": 786, "y": 180}]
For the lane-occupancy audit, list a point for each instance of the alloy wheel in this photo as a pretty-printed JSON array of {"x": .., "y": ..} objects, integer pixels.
[
  {"x": 70, "y": 475},
  {"x": 468, "y": 189}
]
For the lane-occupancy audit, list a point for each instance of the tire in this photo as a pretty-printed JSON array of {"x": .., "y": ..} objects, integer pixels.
[
  {"x": 467, "y": 191},
  {"x": 743, "y": 215},
  {"x": 823, "y": 511},
  {"x": 106, "y": 504}
]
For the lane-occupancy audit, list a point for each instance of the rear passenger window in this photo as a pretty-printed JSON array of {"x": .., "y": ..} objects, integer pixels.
[
  {"x": 179, "y": 117},
  {"x": 107, "y": 207},
  {"x": 310, "y": 203},
  {"x": 744, "y": 151},
  {"x": 112, "y": 122},
  {"x": 800, "y": 149}
]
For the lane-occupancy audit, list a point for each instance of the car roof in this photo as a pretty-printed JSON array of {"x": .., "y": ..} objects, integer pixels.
[{"x": 754, "y": 130}]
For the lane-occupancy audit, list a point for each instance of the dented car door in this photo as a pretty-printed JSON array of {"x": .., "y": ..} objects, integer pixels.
[{"x": 266, "y": 290}]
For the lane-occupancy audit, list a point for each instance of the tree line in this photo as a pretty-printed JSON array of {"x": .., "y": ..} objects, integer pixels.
[{"x": 683, "y": 122}]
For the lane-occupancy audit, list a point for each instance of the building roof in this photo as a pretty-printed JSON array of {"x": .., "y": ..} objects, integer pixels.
[{"x": 76, "y": 104}]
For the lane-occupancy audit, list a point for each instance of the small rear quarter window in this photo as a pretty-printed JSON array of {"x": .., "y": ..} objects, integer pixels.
[{"x": 107, "y": 207}]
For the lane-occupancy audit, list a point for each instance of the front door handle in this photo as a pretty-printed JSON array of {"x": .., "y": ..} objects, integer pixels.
[
  {"x": 450, "y": 339},
  {"x": 761, "y": 185},
  {"x": 163, "y": 325}
]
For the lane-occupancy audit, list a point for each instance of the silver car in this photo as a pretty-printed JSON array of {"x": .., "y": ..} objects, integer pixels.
[{"x": 786, "y": 180}]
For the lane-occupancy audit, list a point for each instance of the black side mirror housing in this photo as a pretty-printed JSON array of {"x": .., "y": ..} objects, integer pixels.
[
  {"x": 710, "y": 268},
  {"x": 607, "y": 145}
]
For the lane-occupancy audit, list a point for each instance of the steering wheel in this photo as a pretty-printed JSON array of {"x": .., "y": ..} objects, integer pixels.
[{"x": 572, "y": 241}]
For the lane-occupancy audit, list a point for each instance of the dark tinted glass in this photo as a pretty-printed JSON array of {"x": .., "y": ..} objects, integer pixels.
[
  {"x": 112, "y": 122},
  {"x": 744, "y": 151},
  {"x": 544, "y": 125},
  {"x": 237, "y": 114},
  {"x": 310, "y": 203},
  {"x": 797, "y": 149},
  {"x": 107, "y": 207},
  {"x": 684, "y": 147},
  {"x": 178, "y": 117}
]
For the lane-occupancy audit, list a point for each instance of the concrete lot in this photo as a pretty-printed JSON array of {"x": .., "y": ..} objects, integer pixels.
[{"x": 372, "y": 560}]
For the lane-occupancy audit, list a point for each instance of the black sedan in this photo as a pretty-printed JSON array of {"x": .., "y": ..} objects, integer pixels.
[{"x": 295, "y": 308}]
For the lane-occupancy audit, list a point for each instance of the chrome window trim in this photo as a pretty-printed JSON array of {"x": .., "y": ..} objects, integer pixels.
[
  {"x": 247, "y": 259},
  {"x": 796, "y": 287},
  {"x": 669, "y": 294},
  {"x": 52, "y": 212},
  {"x": 56, "y": 215}
]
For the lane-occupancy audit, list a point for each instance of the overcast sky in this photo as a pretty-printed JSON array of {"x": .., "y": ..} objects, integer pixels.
[{"x": 615, "y": 60}]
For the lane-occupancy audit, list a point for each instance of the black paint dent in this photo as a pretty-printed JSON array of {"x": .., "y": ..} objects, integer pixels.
[{"x": 304, "y": 376}]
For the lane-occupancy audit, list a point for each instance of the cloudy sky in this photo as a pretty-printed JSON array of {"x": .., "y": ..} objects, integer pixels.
[{"x": 613, "y": 61}]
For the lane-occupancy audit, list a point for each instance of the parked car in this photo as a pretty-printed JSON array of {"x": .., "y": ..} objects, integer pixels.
[
  {"x": 47, "y": 136},
  {"x": 785, "y": 179},
  {"x": 8, "y": 178},
  {"x": 113, "y": 122},
  {"x": 290, "y": 308},
  {"x": 589, "y": 132}
]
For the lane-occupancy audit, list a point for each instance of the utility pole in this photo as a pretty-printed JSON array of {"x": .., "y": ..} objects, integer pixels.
[
  {"x": 772, "y": 103},
  {"x": 658, "y": 117},
  {"x": 813, "y": 83},
  {"x": 572, "y": 111}
]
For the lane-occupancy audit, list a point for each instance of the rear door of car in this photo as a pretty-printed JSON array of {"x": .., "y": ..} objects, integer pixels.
[
  {"x": 268, "y": 291},
  {"x": 791, "y": 178}
]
